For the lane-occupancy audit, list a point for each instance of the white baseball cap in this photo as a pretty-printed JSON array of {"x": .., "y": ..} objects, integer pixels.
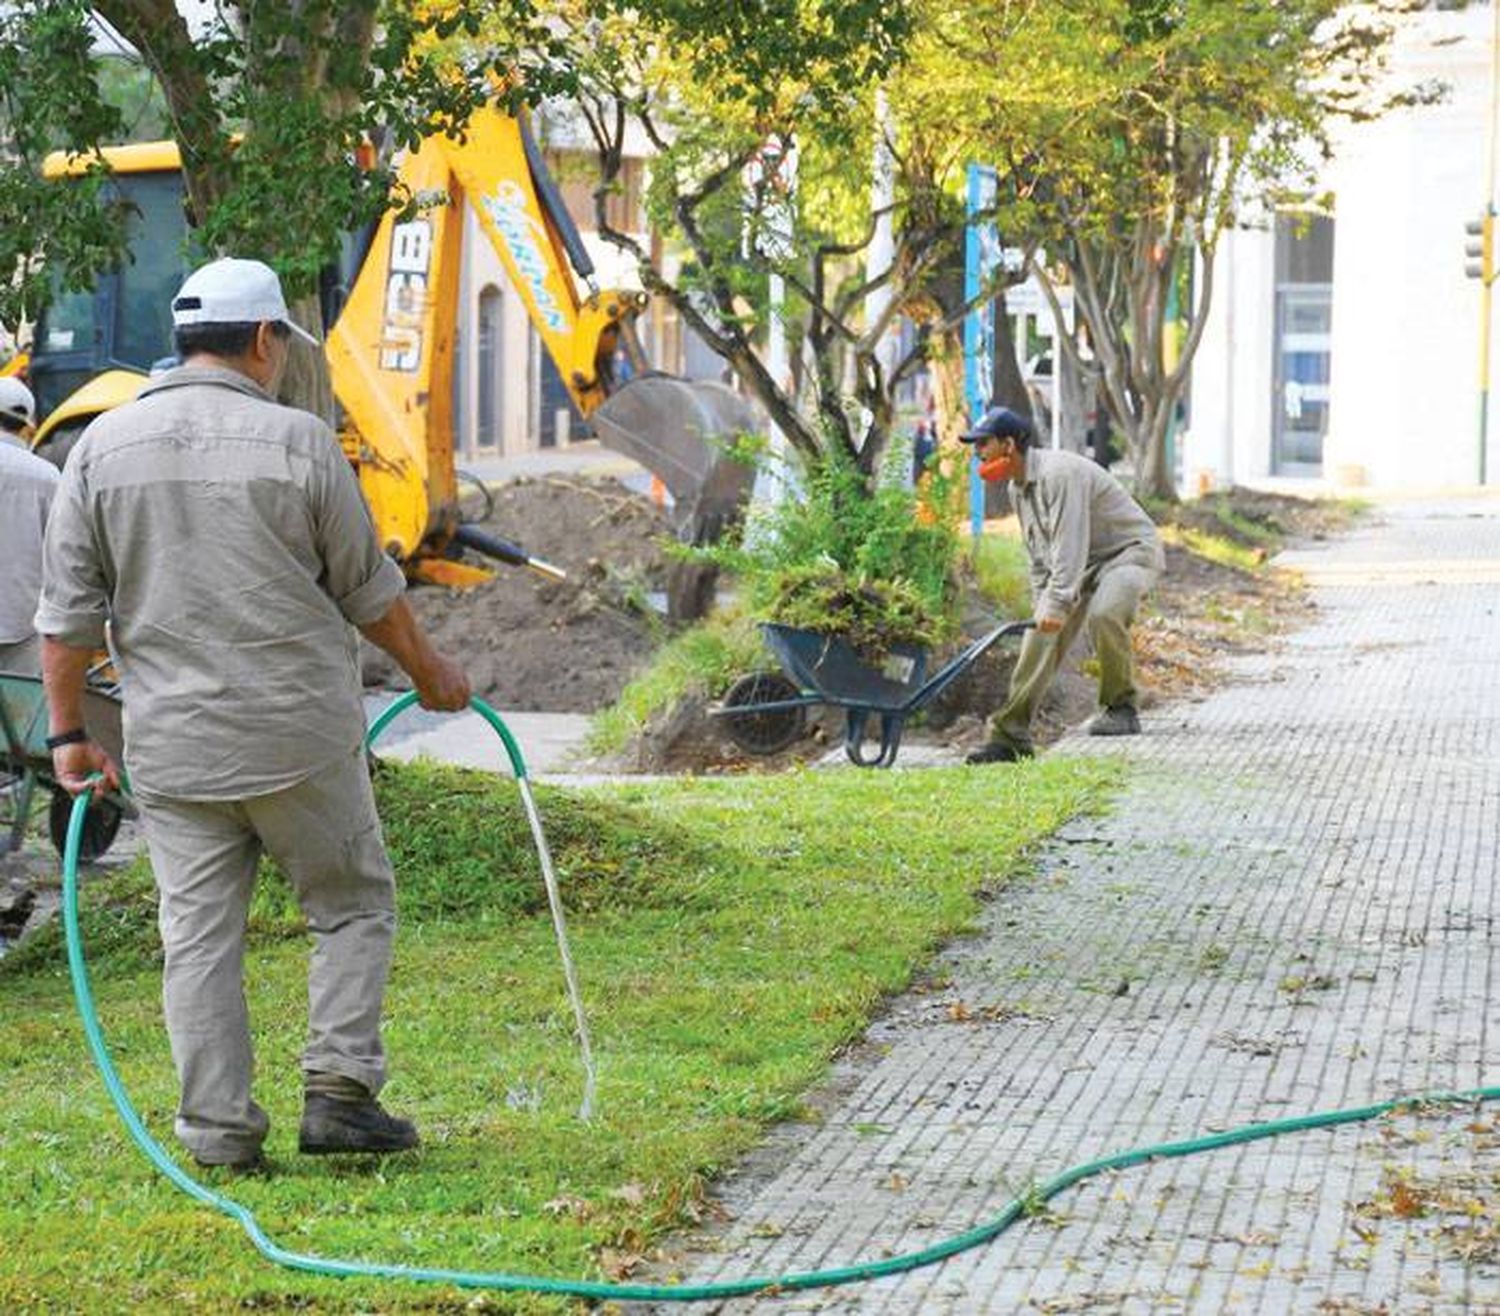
[
  {"x": 16, "y": 401},
  {"x": 232, "y": 291}
]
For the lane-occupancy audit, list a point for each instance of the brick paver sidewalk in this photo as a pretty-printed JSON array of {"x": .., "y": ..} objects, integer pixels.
[{"x": 1290, "y": 909}]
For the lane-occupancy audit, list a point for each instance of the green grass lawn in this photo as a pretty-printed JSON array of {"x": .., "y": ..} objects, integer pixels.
[{"x": 730, "y": 935}]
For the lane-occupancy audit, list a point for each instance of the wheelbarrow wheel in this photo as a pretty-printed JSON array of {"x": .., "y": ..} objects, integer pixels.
[
  {"x": 768, "y": 732},
  {"x": 99, "y": 826}
]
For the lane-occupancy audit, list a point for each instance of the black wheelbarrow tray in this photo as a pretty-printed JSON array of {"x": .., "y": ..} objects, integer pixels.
[
  {"x": 765, "y": 712},
  {"x": 26, "y": 763}
]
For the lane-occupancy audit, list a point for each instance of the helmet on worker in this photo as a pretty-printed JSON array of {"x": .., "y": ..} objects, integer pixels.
[{"x": 17, "y": 406}]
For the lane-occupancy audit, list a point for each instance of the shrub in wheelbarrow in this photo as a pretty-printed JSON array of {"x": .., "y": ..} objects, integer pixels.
[
  {"x": 870, "y": 615},
  {"x": 860, "y": 566}
]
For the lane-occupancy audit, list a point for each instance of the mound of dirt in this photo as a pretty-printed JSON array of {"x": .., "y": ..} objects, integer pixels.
[{"x": 532, "y": 644}]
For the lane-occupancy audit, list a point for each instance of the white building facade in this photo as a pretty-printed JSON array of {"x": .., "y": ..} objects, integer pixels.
[{"x": 1342, "y": 346}]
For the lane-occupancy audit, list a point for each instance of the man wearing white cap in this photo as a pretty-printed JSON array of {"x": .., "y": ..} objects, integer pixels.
[
  {"x": 27, "y": 484},
  {"x": 224, "y": 539}
]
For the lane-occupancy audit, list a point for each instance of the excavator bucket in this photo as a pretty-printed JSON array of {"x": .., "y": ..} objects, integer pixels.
[{"x": 683, "y": 431}]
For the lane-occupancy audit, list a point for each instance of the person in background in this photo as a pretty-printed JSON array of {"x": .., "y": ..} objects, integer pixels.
[
  {"x": 923, "y": 445},
  {"x": 224, "y": 539},
  {"x": 27, "y": 486},
  {"x": 1094, "y": 555}
]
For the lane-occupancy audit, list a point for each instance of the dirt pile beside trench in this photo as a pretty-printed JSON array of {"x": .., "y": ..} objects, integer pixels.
[{"x": 530, "y": 644}]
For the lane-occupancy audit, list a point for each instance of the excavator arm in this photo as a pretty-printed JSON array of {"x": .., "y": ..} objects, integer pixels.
[{"x": 391, "y": 351}]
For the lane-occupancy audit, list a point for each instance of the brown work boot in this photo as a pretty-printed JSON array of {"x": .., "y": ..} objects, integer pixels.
[
  {"x": 1116, "y": 720},
  {"x": 332, "y": 1125}
]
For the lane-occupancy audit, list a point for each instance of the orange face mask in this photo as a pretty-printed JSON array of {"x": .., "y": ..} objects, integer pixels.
[{"x": 998, "y": 469}]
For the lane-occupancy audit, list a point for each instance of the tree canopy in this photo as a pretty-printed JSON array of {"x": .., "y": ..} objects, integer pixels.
[
  {"x": 270, "y": 104},
  {"x": 1125, "y": 133},
  {"x": 1131, "y": 134}
]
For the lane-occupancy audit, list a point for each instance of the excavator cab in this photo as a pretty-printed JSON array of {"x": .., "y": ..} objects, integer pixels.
[{"x": 94, "y": 349}]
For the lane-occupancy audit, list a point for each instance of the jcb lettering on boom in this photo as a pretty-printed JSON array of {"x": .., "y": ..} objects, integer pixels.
[
  {"x": 405, "y": 293},
  {"x": 523, "y": 235}
]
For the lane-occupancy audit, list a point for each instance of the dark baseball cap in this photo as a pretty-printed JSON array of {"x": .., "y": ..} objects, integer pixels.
[{"x": 999, "y": 423}]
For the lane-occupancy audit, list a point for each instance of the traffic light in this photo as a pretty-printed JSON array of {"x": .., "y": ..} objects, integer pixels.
[{"x": 1479, "y": 251}]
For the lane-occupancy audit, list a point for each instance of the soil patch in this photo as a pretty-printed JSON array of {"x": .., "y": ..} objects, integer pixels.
[
  {"x": 532, "y": 644},
  {"x": 1205, "y": 611}
]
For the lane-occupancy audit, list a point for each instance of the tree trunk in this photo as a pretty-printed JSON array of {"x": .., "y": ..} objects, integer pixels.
[
  {"x": 691, "y": 587},
  {"x": 1010, "y": 387},
  {"x": 1154, "y": 476},
  {"x": 946, "y": 365},
  {"x": 308, "y": 383}
]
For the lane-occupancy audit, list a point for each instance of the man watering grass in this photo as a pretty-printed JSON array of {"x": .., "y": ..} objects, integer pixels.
[
  {"x": 1094, "y": 555},
  {"x": 224, "y": 540},
  {"x": 27, "y": 484}
]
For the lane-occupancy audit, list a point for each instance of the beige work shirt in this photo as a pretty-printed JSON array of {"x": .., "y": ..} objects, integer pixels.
[
  {"x": 1075, "y": 518},
  {"x": 225, "y": 540},
  {"x": 27, "y": 484}
]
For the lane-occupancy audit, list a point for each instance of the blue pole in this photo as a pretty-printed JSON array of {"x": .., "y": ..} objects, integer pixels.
[{"x": 981, "y": 256}]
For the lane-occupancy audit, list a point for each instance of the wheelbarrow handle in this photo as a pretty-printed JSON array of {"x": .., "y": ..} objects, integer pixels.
[{"x": 956, "y": 666}]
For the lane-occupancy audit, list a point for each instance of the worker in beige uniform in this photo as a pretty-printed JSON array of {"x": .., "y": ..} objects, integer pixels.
[
  {"x": 224, "y": 539},
  {"x": 1094, "y": 555},
  {"x": 27, "y": 484}
]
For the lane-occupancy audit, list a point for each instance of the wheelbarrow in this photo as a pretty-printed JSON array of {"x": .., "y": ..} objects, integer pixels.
[
  {"x": 766, "y": 711},
  {"x": 26, "y": 764}
]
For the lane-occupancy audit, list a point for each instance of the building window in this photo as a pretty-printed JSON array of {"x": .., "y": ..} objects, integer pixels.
[
  {"x": 1303, "y": 352},
  {"x": 489, "y": 368}
]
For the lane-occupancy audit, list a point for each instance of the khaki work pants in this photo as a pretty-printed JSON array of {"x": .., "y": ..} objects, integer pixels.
[
  {"x": 325, "y": 835},
  {"x": 1108, "y": 609}
]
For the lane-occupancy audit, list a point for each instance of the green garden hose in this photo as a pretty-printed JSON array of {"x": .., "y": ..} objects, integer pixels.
[
  {"x": 983, "y": 1233},
  {"x": 549, "y": 878}
]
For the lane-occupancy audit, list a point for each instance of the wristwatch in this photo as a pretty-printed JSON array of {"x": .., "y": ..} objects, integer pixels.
[{"x": 77, "y": 736}]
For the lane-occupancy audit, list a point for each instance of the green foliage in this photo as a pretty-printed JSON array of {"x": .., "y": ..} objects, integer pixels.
[
  {"x": 1003, "y": 574},
  {"x": 1129, "y": 135},
  {"x": 756, "y": 54},
  {"x": 754, "y": 928},
  {"x": 839, "y": 558},
  {"x": 126, "y": 85},
  {"x": 702, "y": 660},
  {"x": 870, "y": 614},
  {"x": 49, "y": 99},
  {"x": 764, "y": 123},
  {"x": 270, "y": 102}
]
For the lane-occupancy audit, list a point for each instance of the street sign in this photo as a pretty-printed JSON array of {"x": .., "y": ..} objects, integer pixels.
[
  {"x": 1029, "y": 299},
  {"x": 983, "y": 256}
]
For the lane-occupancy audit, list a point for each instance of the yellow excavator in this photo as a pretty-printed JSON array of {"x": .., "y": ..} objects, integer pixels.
[{"x": 390, "y": 349}]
